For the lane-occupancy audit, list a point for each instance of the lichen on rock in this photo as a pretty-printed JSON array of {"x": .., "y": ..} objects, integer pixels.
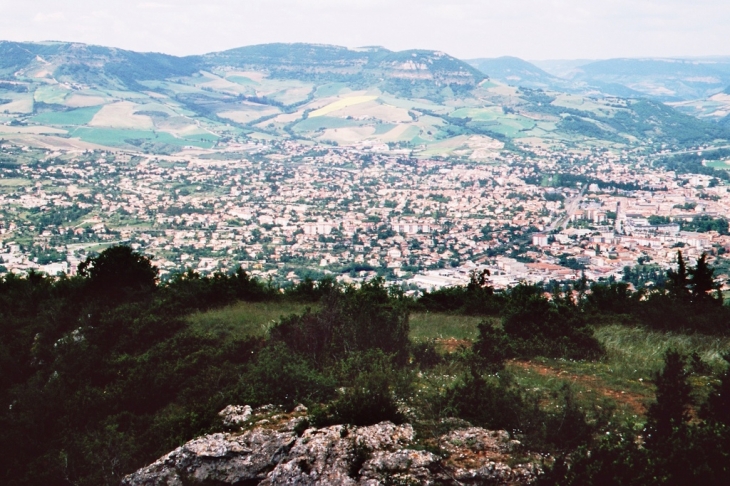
[{"x": 272, "y": 450}]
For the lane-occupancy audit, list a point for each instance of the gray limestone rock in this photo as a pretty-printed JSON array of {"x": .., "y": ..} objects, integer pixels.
[
  {"x": 269, "y": 452},
  {"x": 235, "y": 415}
]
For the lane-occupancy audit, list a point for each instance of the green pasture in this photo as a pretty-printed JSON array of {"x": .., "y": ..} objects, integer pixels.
[
  {"x": 242, "y": 80},
  {"x": 622, "y": 379},
  {"x": 243, "y": 318},
  {"x": 50, "y": 95},
  {"x": 325, "y": 122},
  {"x": 480, "y": 114},
  {"x": 330, "y": 89},
  {"x": 115, "y": 137},
  {"x": 429, "y": 325},
  {"x": 79, "y": 116},
  {"x": 15, "y": 182},
  {"x": 718, "y": 164},
  {"x": 382, "y": 128}
]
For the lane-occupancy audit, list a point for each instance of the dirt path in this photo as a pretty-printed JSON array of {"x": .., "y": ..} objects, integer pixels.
[
  {"x": 451, "y": 345},
  {"x": 635, "y": 401}
]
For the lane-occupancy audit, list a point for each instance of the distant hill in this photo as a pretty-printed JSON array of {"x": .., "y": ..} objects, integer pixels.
[
  {"x": 399, "y": 72},
  {"x": 561, "y": 67},
  {"x": 90, "y": 65},
  {"x": 517, "y": 72},
  {"x": 661, "y": 79},
  {"x": 422, "y": 101}
]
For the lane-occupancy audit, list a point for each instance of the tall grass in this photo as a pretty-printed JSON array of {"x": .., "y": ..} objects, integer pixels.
[
  {"x": 430, "y": 325},
  {"x": 243, "y": 319},
  {"x": 641, "y": 349}
]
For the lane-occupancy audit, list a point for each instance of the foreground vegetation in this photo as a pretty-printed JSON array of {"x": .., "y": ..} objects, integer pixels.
[{"x": 103, "y": 372}]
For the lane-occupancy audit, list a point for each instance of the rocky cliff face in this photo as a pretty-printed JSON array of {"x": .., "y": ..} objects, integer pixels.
[{"x": 273, "y": 448}]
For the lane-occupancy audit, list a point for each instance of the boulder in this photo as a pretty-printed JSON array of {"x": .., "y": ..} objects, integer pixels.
[{"x": 276, "y": 448}]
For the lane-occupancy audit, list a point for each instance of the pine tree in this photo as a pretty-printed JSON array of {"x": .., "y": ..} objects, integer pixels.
[
  {"x": 670, "y": 413},
  {"x": 702, "y": 282},
  {"x": 678, "y": 281}
]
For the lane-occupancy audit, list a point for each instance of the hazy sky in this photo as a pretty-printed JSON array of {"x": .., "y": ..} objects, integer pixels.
[{"x": 531, "y": 29}]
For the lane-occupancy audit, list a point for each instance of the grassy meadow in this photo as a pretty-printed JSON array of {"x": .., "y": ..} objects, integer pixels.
[
  {"x": 243, "y": 318},
  {"x": 116, "y": 137},
  {"x": 622, "y": 381},
  {"x": 79, "y": 116}
]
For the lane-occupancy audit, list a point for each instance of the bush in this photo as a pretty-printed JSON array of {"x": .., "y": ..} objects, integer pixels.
[
  {"x": 372, "y": 382},
  {"x": 310, "y": 291},
  {"x": 476, "y": 298},
  {"x": 672, "y": 451},
  {"x": 717, "y": 408},
  {"x": 119, "y": 272},
  {"x": 284, "y": 378},
  {"x": 494, "y": 403},
  {"x": 425, "y": 354},
  {"x": 356, "y": 319},
  {"x": 534, "y": 326},
  {"x": 492, "y": 347},
  {"x": 497, "y": 403}
]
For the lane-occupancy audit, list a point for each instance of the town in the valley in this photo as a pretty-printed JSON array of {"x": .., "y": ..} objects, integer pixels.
[{"x": 286, "y": 211}]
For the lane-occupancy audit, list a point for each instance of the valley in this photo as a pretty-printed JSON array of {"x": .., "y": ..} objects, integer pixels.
[
  {"x": 299, "y": 161},
  {"x": 518, "y": 267}
]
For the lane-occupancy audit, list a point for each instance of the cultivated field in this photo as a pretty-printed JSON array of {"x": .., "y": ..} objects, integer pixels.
[
  {"x": 79, "y": 116},
  {"x": 340, "y": 104},
  {"x": 51, "y": 95},
  {"x": 121, "y": 115}
]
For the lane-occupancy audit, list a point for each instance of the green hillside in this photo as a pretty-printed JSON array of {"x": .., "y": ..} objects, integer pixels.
[
  {"x": 424, "y": 101},
  {"x": 515, "y": 71}
]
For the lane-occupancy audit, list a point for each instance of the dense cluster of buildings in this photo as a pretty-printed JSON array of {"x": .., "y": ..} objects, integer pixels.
[{"x": 285, "y": 211}]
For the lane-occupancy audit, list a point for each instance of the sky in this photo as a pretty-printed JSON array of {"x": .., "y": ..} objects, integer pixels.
[{"x": 530, "y": 29}]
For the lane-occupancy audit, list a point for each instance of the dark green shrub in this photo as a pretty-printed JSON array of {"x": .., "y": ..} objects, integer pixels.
[
  {"x": 476, "y": 298},
  {"x": 368, "y": 401},
  {"x": 425, "y": 354},
  {"x": 669, "y": 415},
  {"x": 497, "y": 403},
  {"x": 616, "y": 459},
  {"x": 717, "y": 408},
  {"x": 554, "y": 328},
  {"x": 310, "y": 291},
  {"x": 356, "y": 319},
  {"x": 566, "y": 427},
  {"x": 614, "y": 298},
  {"x": 119, "y": 272},
  {"x": 284, "y": 378},
  {"x": 492, "y": 347},
  {"x": 372, "y": 383},
  {"x": 494, "y": 403}
]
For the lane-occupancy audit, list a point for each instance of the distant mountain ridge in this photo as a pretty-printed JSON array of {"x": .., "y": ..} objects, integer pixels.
[
  {"x": 76, "y": 62},
  {"x": 423, "y": 101},
  {"x": 655, "y": 78},
  {"x": 662, "y": 79},
  {"x": 415, "y": 63},
  {"x": 108, "y": 66}
]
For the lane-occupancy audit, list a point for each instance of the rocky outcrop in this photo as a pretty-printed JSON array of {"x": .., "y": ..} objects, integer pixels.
[{"x": 271, "y": 448}]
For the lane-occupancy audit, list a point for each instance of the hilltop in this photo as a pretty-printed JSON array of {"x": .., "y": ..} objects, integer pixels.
[
  {"x": 518, "y": 72},
  {"x": 104, "y": 372}
]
